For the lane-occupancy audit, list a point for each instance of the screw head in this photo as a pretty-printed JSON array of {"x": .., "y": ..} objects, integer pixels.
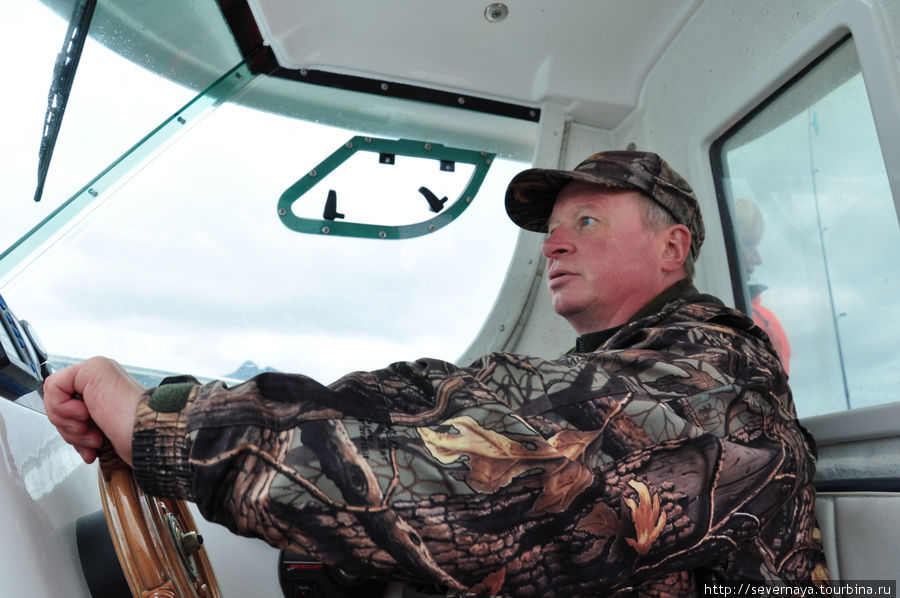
[{"x": 496, "y": 12}]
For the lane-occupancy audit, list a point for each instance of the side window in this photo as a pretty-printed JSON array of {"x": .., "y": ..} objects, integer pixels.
[{"x": 815, "y": 241}]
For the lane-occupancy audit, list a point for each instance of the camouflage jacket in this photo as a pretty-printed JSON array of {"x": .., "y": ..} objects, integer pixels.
[{"x": 669, "y": 456}]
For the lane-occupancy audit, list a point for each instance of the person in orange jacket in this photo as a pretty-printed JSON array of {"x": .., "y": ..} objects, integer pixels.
[{"x": 751, "y": 226}]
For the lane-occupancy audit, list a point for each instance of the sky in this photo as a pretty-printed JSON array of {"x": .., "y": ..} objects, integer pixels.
[{"x": 187, "y": 268}]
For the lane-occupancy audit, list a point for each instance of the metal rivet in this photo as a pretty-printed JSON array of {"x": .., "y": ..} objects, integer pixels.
[
  {"x": 502, "y": 327},
  {"x": 326, "y": 230},
  {"x": 488, "y": 161},
  {"x": 384, "y": 87},
  {"x": 427, "y": 147},
  {"x": 461, "y": 100},
  {"x": 238, "y": 76},
  {"x": 432, "y": 227},
  {"x": 348, "y": 145},
  {"x": 313, "y": 172},
  {"x": 367, "y": 139},
  {"x": 532, "y": 113},
  {"x": 93, "y": 192},
  {"x": 469, "y": 199},
  {"x": 303, "y": 72},
  {"x": 382, "y": 234},
  {"x": 181, "y": 120},
  {"x": 282, "y": 211},
  {"x": 496, "y": 12}
]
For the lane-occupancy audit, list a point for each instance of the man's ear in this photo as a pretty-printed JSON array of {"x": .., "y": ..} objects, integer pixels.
[{"x": 676, "y": 245}]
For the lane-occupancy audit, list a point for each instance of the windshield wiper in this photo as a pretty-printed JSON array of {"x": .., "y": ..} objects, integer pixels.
[{"x": 61, "y": 86}]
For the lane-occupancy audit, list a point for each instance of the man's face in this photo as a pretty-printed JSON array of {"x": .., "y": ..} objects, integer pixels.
[
  {"x": 603, "y": 263},
  {"x": 751, "y": 255}
]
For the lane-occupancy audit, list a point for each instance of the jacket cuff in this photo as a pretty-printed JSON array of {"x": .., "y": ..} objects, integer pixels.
[{"x": 160, "y": 444}]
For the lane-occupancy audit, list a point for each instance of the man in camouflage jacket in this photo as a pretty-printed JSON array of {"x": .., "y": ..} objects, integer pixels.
[{"x": 662, "y": 453}]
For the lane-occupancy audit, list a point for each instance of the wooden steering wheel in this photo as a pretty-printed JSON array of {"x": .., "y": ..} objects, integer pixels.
[{"x": 155, "y": 538}]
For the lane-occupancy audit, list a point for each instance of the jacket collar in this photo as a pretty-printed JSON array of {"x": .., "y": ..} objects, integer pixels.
[{"x": 682, "y": 290}]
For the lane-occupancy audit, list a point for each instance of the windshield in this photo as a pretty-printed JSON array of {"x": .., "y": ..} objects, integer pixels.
[{"x": 184, "y": 265}]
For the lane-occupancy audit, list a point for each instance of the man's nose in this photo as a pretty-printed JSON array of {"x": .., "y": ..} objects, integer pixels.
[{"x": 556, "y": 244}]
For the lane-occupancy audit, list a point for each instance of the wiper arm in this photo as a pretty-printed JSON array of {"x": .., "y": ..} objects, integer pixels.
[{"x": 61, "y": 86}]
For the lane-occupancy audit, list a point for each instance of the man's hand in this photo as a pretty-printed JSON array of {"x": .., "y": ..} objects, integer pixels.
[{"x": 107, "y": 404}]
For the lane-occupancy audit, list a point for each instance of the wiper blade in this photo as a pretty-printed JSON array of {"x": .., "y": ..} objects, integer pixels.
[{"x": 61, "y": 86}]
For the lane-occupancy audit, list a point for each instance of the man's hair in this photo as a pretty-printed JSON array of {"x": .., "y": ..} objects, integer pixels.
[{"x": 657, "y": 217}]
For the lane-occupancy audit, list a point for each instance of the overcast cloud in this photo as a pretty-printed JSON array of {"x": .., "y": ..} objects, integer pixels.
[{"x": 187, "y": 266}]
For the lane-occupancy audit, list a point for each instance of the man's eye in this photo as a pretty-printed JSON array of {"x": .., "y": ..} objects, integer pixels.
[{"x": 586, "y": 221}]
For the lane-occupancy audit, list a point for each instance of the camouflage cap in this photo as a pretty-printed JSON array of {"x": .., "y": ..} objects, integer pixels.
[{"x": 532, "y": 193}]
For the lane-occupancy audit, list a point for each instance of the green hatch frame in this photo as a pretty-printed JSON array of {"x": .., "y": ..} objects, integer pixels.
[{"x": 397, "y": 147}]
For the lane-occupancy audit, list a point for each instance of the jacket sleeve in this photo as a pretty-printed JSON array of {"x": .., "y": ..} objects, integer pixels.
[{"x": 514, "y": 475}]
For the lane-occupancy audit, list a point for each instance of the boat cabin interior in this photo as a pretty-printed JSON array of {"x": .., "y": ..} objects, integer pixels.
[{"x": 227, "y": 187}]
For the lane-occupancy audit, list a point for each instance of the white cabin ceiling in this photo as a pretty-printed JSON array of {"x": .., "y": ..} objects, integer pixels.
[{"x": 591, "y": 56}]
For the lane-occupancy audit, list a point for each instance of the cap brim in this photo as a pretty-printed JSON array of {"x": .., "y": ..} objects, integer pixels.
[{"x": 531, "y": 194}]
